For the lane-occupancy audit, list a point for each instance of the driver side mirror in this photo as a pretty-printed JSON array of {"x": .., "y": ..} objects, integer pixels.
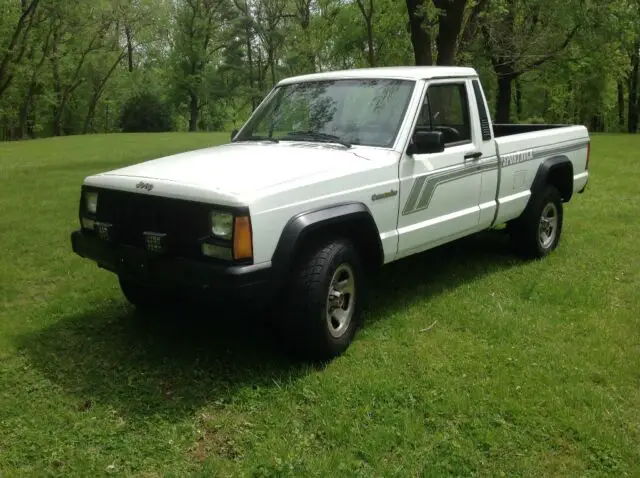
[
  {"x": 426, "y": 142},
  {"x": 234, "y": 133}
]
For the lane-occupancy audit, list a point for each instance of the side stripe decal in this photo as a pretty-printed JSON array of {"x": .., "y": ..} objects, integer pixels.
[
  {"x": 424, "y": 186},
  {"x": 434, "y": 181}
]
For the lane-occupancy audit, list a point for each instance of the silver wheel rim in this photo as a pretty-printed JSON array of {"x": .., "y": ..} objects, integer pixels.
[
  {"x": 341, "y": 300},
  {"x": 548, "y": 227}
]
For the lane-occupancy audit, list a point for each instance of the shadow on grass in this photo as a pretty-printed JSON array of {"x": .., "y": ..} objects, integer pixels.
[
  {"x": 426, "y": 275},
  {"x": 167, "y": 365},
  {"x": 171, "y": 365}
]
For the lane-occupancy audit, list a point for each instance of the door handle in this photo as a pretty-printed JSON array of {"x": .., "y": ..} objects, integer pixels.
[{"x": 476, "y": 155}]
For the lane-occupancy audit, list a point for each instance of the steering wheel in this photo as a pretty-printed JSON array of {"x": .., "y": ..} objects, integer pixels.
[{"x": 451, "y": 134}]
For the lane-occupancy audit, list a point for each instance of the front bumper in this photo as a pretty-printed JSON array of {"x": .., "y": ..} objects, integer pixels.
[{"x": 242, "y": 282}]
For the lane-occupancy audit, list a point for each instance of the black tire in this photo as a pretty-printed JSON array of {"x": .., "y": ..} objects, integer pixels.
[
  {"x": 144, "y": 298},
  {"x": 305, "y": 322},
  {"x": 536, "y": 233}
]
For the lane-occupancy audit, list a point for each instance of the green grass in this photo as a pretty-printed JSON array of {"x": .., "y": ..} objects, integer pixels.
[{"x": 532, "y": 369}]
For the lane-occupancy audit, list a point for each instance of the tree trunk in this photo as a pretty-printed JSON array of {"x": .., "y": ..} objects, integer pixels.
[
  {"x": 634, "y": 104},
  {"x": 127, "y": 31},
  {"x": 420, "y": 38},
  {"x": 272, "y": 66},
  {"x": 250, "y": 61},
  {"x": 503, "y": 98},
  {"x": 596, "y": 123},
  {"x": 304, "y": 16},
  {"x": 621, "y": 105},
  {"x": 97, "y": 93},
  {"x": 518, "y": 99},
  {"x": 449, "y": 25},
  {"x": 25, "y": 112},
  {"x": 569, "y": 106},
  {"x": 193, "y": 110},
  {"x": 56, "y": 127},
  {"x": 368, "y": 21},
  {"x": 88, "y": 119},
  {"x": 371, "y": 52}
]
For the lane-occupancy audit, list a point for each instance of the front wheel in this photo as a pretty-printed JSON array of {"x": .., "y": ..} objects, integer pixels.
[
  {"x": 323, "y": 300},
  {"x": 537, "y": 232}
]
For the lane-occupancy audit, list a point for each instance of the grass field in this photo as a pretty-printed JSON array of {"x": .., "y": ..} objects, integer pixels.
[{"x": 532, "y": 369}]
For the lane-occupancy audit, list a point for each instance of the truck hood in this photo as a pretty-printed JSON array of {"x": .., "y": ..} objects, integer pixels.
[{"x": 238, "y": 170}]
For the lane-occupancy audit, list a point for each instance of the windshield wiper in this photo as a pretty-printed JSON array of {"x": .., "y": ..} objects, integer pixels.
[
  {"x": 317, "y": 136},
  {"x": 258, "y": 138}
]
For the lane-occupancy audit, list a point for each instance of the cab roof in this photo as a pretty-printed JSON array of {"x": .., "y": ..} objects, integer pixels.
[{"x": 395, "y": 72}]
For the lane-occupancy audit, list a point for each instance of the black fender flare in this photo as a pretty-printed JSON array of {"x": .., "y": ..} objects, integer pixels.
[
  {"x": 301, "y": 226},
  {"x": 557, "y": 170}
]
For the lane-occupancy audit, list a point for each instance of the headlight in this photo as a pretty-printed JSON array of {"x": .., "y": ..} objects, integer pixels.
[
  {"x": 222, "y": 225},
  {"x": 91, "y": 202}
]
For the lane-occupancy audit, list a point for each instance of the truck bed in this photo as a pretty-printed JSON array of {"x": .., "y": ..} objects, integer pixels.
[
  {"x": 521, "y": 151},
  {"x": 501, "y": 130}
]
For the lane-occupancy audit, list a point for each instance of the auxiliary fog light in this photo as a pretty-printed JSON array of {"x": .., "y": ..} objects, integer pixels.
[
  {"x": 88, "y": 223},
  {"x": 104, "y": 230},
  {"x": 216, "y": 251},
  {"x": 155, "y": 242}
]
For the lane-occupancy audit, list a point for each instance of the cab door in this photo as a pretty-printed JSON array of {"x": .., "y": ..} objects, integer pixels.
[{"x": 439, "y": 192}]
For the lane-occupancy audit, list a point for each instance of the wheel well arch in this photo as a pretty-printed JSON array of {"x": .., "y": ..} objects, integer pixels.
[
  {"x": 556, "y": 171},
  {"x": 352, "y": 221}
]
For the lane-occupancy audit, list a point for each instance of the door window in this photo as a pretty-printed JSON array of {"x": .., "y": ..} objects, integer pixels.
[{"x": 445, "y": 108}]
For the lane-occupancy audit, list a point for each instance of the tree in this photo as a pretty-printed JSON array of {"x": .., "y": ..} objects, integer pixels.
[
  {"x": 303, "y": 15},
  {"x": 454, "y": 23},
  {"x": 420, "y": 25},
  {"x": 367, "y": 14},
  {"x": 68, "y": 67},
  {"x": 16, "y": 47},
  {"x": 634, "y": 100},
  {"x": 521, "y": 36},
  {"x": 77, "y": 34},
  {"x": 633, "y": 79},
  {"x": 197, "y": 38},
  {"x": 145, "y": 113},
  {"x": 450, "y": 20}
]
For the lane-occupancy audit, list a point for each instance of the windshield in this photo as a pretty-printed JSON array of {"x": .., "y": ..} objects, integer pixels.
[{"x": 351, "y": 111}]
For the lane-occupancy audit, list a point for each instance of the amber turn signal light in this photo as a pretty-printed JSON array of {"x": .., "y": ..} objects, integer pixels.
[{"x": 242, "y": 241}]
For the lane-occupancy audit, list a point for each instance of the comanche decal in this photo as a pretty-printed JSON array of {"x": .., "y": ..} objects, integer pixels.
[
  {"x": 516, "y": 158},
  {"x": 424, "y": 186},
  {"x": 388, "y": 194}
]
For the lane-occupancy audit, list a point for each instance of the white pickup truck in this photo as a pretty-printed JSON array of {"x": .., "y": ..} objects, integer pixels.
[{"x": 334, "y": 175}]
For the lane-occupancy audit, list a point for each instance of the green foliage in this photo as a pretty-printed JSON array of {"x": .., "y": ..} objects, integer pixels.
[
  {"x": 145, "y": 112},
  {"x": 74, "y": 65}
]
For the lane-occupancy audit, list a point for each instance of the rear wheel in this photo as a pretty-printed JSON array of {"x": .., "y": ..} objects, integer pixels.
[
  {"x": 322, "y": 301},
  {"x": 537, "y": 232}
]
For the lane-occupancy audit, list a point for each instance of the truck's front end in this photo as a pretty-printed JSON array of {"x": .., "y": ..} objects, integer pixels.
[{"x": 167, "y": 243}]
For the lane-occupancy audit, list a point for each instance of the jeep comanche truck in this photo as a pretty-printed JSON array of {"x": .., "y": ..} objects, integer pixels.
[{"x": 334, "y": 175}]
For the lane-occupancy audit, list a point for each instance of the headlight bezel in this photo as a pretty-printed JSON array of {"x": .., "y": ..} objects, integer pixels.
[{"x": 237, "y": 240}]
